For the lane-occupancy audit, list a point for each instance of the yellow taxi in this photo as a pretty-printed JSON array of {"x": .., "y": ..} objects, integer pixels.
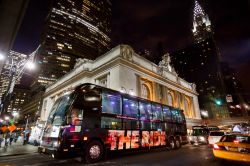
[{"x": 233, "y": 147}]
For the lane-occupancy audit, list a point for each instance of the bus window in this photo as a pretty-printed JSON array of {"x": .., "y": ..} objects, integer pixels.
[
  {"x": 156, "y": 112},
  {"x": 145, "y": 111},
  {"x": 145, "y": 115},
  {"x": 156, "y": 116},
  {"x": 60, "y": 113},
  {"x": 111, "y": 123},
  {"x": 111, "y": 103},
  {"x": 176, "y": 116},
  {"x": 166, "y": 114},
  {"x": 130, "y": 108},
  {"x": 75, "y": 117}
]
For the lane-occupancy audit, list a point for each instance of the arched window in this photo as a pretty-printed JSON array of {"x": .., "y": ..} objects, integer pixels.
[
  {"x": 186, "y": 107},
  {"x": 170, "y": 99},
  {"x": 178, "y": 99},
  {"x": 145, "y": 93}
]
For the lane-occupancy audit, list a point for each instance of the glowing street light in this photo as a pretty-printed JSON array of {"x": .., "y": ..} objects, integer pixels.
[
  {"x": 30, "y": 65},
  {"x": 15, "y": 114},
  {"x": 2, "y": 57},
  {"x": 7, "y": 118},
  {"x": 218, "y": 102}
]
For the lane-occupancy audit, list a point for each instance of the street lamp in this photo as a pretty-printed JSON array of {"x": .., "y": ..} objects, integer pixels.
[
  {"x": 15, "y": 70},
  {"x": 2, "y": 57},
  {"x": 7, "y": 118}
]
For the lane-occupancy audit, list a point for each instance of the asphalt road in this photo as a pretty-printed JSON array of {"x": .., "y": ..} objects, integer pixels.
[{"x": 188, "y": 155}]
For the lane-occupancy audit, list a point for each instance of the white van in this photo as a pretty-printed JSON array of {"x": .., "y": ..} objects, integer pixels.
[{"x": 215, "y": 136}]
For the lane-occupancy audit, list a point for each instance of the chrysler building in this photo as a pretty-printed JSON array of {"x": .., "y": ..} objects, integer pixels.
[{"x": 201, "y": 24}]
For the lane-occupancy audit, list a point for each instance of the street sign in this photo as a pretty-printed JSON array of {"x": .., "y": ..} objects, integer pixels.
[
  {"x": 229, "y": 98},
  {"x": 12, "y": 128},
  {"x": 4, "y": 128}
]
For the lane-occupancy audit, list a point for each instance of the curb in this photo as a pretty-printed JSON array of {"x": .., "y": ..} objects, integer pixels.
[{"x": 17, "y": 154}]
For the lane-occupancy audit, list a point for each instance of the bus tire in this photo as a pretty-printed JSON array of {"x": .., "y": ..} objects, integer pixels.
[
  {"x": 94, "y": 152},
  {"x": 171, "y": 143},
  {"x": 177, "y": 143}
]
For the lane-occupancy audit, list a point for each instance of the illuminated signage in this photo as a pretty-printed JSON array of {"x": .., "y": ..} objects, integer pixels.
[{"x": 127, "y": 139}]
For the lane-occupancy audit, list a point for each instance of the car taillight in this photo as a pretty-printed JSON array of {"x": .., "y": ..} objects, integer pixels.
[
  {"x": 236, "y": 141},
  {"x": 216, "y": 147}
]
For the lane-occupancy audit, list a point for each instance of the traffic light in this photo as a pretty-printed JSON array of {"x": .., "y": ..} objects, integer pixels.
[{"x": 218, "y": 102}]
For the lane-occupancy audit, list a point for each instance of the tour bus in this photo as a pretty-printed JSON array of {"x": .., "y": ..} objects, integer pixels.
[{"x": 92, "y": 120}]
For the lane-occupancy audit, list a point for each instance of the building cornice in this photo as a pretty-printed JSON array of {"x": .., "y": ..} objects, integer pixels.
[{"x": 117, "y": 61}]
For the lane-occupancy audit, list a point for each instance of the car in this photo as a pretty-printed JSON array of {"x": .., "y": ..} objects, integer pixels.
[
  {"x": 199, "y": 135},
  {"x": 215, "y": 136},
  {"x": 234, "y": 147}
]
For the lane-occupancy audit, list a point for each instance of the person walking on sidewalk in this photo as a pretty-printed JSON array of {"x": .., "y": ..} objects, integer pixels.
[
  {"x": 11, "y": 137},
  {"x": 7, "y": 139},
  {"x": 1, "y": 138}
]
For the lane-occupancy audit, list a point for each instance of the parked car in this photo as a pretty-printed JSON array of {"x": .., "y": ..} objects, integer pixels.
[
  {"x": 233, "y": 147},
  {"x": 215, "y": 136}
]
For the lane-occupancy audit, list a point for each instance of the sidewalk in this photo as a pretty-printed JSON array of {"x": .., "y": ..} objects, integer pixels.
[{"x": 17, "y": 149}]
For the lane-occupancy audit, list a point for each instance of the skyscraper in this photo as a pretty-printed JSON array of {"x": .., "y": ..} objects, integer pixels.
[
  {"x": 74, "y": 29},
  {"x": 16, "y": 57},
  {"x": 200, "y": 63},
  {"x": 201, "y": 24}
]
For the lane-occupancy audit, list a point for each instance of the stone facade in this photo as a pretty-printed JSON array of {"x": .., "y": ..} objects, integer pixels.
[{"x": 122, "y": 69}]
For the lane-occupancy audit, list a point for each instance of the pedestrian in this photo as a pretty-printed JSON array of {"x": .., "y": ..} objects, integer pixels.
[
  {"x": 24, "y": 137},
  {"x": 7, "y": 139},
  {"x": 11, "y": 137},
  {"x": 1, "y": 138},
  {"x": 15, "y": 136}
]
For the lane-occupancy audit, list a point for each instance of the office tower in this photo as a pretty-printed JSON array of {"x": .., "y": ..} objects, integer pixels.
[
  {"x": 16, "y": 58},
  {"x": 200, "y": 63},
  {"x": 74, "y": 29}
]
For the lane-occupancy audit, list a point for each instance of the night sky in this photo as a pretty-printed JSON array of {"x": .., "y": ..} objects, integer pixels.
[{"x": 144, "y": 23}]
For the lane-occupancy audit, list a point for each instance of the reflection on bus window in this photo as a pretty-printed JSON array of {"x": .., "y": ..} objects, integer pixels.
[
  {"x": 156, "y": 111},
  {"x": 76, "y": 117},
  {"x": 130, "y": 108},
  {"x": 57, "y": 116},
  {"x": 176, "y": 116},
  {"x": 111, "y": 123},
  {"x": 145, "y": 111},
  {"x": 111, "y": 103},
  {"x": 166, "y": 114},
  {"x": 131, "y": 124}
]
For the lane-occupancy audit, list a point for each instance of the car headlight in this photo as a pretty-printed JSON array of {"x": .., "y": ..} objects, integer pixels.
[
  {"x": 202, "y": 138},
  {"x": 55, "y": 144}
]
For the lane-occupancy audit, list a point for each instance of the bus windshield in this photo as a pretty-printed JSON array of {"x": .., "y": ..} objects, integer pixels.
[{"x": 58, "y": 111}]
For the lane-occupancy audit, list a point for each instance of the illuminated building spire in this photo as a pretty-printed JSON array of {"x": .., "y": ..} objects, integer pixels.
[
  {"x": 198, "y": 10},
  {"x": 201, "y": 24}
]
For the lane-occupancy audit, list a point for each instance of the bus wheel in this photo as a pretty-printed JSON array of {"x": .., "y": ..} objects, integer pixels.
[
  {"x": 171, "y": 144},
  {"x": 94, "y": 152},
  {"x": 177, "y": 143}
]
